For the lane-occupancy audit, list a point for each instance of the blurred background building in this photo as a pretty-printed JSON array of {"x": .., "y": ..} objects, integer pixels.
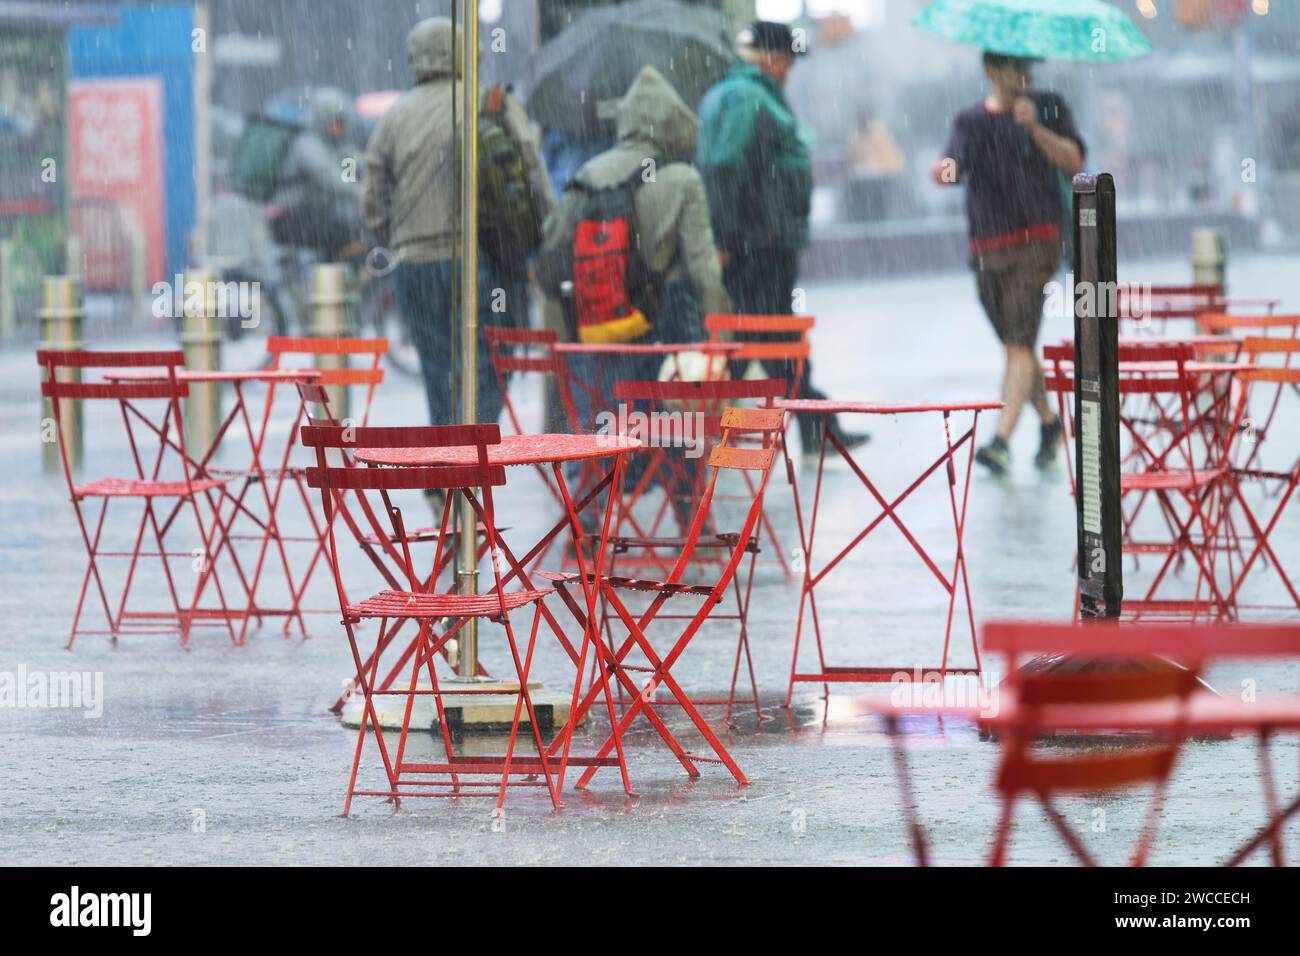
[{"x": 141, "y": 104}]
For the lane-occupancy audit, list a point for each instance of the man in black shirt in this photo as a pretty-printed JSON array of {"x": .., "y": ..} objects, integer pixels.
[{"x": 1010, "y": 150}]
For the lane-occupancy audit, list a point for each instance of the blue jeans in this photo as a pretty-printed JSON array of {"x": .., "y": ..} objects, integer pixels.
[{"x": 426, "y": 293}]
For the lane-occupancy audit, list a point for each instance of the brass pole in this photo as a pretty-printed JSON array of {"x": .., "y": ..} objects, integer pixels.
[{"x": 468, "y": 565}]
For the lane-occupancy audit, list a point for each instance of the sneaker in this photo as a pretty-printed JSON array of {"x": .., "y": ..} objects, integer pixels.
[
  {"x": 995, "y": 456},
  {"x": 1051, "y": 439}
]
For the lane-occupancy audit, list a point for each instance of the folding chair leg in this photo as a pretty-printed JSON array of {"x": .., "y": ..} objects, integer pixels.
[
  {"x": 92, "y": 570},
  {"x": 367, "y": 713},
  {"x": 1006, "y": 820},
  {"x": 1062, "y": 827}
]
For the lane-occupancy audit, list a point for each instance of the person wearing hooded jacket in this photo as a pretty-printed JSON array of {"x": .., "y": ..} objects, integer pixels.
[
  {"x": 656, "y": 138},
  {"x": 411, "y": 206},
  {"x": 319, "y": 201}
]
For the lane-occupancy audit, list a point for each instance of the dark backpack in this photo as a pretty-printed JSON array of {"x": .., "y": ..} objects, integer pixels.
[
  {"x": 603, "y": 280},
  {"x": 260, "y": 154},
  {"x": 509, "y": 226}
]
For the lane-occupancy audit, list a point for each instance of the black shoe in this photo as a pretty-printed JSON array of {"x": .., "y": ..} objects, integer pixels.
[
  {"x": 1051, "y": 438},
  {"x": 995, "y": 456}
]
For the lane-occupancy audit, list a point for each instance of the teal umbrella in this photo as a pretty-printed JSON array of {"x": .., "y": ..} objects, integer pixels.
[{"x": 1056, "y": 29}]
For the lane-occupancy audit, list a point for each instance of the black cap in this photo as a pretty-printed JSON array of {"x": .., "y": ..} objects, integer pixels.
[{"x": 771, "y": 36}]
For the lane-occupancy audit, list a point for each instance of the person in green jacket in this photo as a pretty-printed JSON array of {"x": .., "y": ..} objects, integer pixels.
[{"x": 753, "y": 154}]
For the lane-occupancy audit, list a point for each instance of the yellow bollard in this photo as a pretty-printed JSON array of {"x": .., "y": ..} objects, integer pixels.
[
  {"x": 331, "y": 302},
  {"x": 62, "y": 316},
  {"x": 1210, "y": 258},
  {"x": 201, "y": 339}
]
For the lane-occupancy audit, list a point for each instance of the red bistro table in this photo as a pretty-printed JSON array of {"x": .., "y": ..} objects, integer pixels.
[
  {"x": 254, "y": 473},
  {"x": 826, "y": 674},
  {"x": 553, "y": 450}
]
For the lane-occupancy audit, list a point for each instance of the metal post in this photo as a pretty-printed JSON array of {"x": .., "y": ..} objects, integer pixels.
[
  {"x": 1210, "y": 257},
  {"x": 138, "y": 310},
  {"x": 468, "y": 564},
  {"x": 61, "y": 328},
  {"x": 331, "y": 301},
  {"x": 201, "y": 339},
  {"x": 8, "y": 307},
  {"x": 1096, "y": 398}
]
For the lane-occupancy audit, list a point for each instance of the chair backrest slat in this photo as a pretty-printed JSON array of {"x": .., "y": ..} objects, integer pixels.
[
  {"x": 325, "y": 345},
  {"x": 716, "y": 391},
  {"x": 407, "y": 478},
  {"x": 1181, "y": 642},
  {"x": 426, "y": 436}
]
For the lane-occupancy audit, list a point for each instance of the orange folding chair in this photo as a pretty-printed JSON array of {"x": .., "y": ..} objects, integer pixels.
[
  {"x": 1253, "y": 470},
  {"x": 779, "y": 339},
  {"x": 765, "y": 425},
  {"x": 702, "y": 403},
  {"x": 163, "y": 475},
  {"x": 415, "y": 602}
]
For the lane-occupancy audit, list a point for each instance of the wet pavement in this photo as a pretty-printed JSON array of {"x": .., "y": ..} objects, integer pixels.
[{"x": 221, "y": 754}]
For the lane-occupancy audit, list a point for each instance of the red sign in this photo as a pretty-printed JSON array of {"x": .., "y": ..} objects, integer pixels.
[{"x": 115, "y": 140}]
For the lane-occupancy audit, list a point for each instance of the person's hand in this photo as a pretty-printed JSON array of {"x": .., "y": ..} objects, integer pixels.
[{"x": 1024, "y": 112}]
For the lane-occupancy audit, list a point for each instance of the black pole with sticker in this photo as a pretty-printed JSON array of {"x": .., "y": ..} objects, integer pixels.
[{"x": 1096, "y": 397}]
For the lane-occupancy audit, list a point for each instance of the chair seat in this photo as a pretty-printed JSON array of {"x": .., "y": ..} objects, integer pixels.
[
  {"x": 270, "y": 474},
  {"x": 1174, "y": 480},
  {"x": 416, "y": 605},
  {"x": 419, "y": 535},
  {"x": 140, "y": 488},
  {"x": 634, "y": 584},
  {"x": 726, "y": 540}
]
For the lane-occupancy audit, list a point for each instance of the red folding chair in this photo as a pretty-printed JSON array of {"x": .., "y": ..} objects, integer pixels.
[
  {"x": 522, "y": 351},
  {"x": 284, "y": 352},
  {"x": 148, "y": 485},
  {"x": 1176, "y": 456},
  {"x": 360, "y": 517},
  {"x": 764, "y": 425},
  {"x": 429, "y": 778},
  {"x": 1095, "y": 680},
  {"x": 684, "y": 485}
]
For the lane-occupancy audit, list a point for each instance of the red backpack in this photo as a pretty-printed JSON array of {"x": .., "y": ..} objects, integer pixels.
[{"x": 613, "y": 289}]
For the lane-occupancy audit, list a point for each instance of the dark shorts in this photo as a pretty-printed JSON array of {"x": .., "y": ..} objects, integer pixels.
[{"x": 1010, "y": 283}]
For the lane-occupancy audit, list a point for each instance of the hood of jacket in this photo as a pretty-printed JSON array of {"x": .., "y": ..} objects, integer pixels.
[
  {"x": 430, "y": 49},
  {"x": 653, "y": 123}
]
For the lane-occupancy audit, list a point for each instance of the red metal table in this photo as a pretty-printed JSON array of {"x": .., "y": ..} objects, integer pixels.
[
  {"x": 826, "y": 674},
  {"x": 552, "y": 450},
  {"x": 253, "y": 473}
]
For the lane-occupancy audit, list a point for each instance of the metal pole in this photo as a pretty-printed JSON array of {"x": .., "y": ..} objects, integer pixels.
[{"x": 468, "y": 565}]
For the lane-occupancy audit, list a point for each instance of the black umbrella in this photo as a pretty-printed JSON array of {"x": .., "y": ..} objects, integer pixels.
[{"x": 598, "y": 56}]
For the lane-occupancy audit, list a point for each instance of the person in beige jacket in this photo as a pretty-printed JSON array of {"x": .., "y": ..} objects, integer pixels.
[{"x": 411, "y": 205}]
